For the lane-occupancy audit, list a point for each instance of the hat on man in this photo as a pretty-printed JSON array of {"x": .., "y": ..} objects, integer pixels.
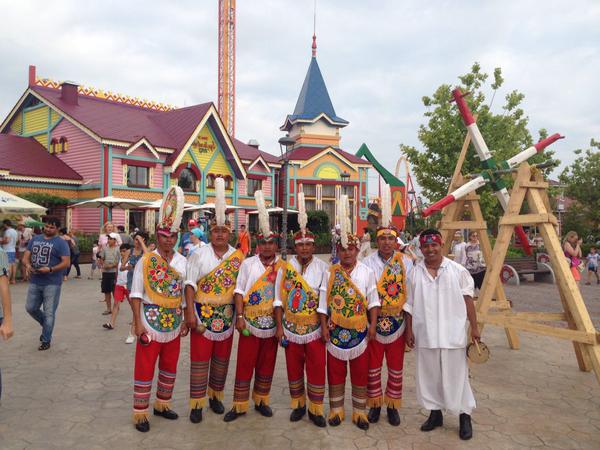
[
  {"x": 192, "y": 223},
  {"x": 171, "y": 212},
  {"x": 114, "y": 236},
  {"x": 347, "y": 238},
  {"x": 220, "y": 219},
  {"x": 265, "y": 234},
  {"x": 386, "y": 227},
  {"x": 303, "y": 236}
]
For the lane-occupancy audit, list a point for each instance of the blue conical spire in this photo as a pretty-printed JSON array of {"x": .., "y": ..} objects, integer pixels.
[{"x": 314, "y": 98}]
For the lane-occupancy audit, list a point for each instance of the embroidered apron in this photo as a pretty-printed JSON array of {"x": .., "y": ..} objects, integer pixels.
[
  {"x": 300, "y": 302},
  {"x": 391, "y": 288},
  {"x": 258, "y": 304},
  {"x": 162, "y": 284},
  {"x": 214, "y": 304},
  {"x": 347, "y": 310}
]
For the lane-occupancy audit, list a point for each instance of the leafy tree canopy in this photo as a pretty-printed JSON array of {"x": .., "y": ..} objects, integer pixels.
[{"x": 505, "y": 133}]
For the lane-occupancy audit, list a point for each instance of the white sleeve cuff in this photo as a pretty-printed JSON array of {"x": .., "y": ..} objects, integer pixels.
[
  {"x": 277, "y": 303},
  {"x": 408, "y": 308},
  {"x": 134, "y": 294},
  {"x": 239, "y": 291},
  {"x": 190, "y": 283}
]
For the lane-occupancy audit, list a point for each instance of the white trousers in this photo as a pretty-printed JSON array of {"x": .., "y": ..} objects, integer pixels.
[{"x": 443, "y": 380}]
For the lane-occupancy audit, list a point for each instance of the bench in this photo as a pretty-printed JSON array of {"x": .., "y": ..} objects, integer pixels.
[{"x": 515, "y": 269}]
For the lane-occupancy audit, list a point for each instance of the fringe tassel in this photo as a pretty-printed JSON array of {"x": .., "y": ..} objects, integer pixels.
[
  {"x": 258, "y": 399},
  {"x": 162, "y": 406},
  {"x": 218, "y": 337},
  {"x": 240, "y": 407},
  {"x": 316, "y": 409},
  {"x": 375, "y": 402},
  {"x": 395, "y": 403},
  {"x": 197, "y": 403},
  {"x": 392, "y": 337},
  {"x": 299, "y": 402},
  {"x": 347, "y": 355},
  {"x": 337, "y": 412},
  {"x": 215, "y": 395},
  {"x": 140, "y": 417},
  {"x": 304, "y": 339},
  {"x": 356, "y": 415},
  {"x": 263, "y": 334}
]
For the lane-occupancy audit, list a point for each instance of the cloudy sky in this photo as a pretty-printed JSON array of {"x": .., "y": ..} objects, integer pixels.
[{"x": 378, "y": 58}]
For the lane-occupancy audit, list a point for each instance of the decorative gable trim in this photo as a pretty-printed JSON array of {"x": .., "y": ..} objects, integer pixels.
[
  {"x": 322, "y": 153},
  {"x": 143, "y": 141},
  {"x": 260, "y": 160}
]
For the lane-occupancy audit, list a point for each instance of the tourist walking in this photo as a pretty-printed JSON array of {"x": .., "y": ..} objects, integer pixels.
[
  {"x": 365, "y": 244},
  {"x": 46, "y": 259},
  {"x": 572, "y": 250},
  {"x": 6, "y": 326},
  {"x": 243, "y": 242},
  {"x": 474, "y": 261},
  {"x": 459, "y": 248},
  {"x": 211, "y": 276},
  {"x": 108, "y": 259},
  {"x": 121, "y": 292},
  {"x": 158, "y": 315},
  {"x": 438, "y": 308},
  {"x": 9, "y": 245},
  {"x": 592, "y": 265}
]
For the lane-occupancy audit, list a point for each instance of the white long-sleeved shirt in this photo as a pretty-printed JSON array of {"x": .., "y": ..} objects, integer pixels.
[
  {"x": 362, "y": 277},
  {"x": 437, "y": 305},
  {"x": 313, "y": 275},
  {"x": 250, "y": 271},
  {"x": 377, "y": 264},
  {"x": 202, "y": 262},
  {"x": 178, "y": 262}
]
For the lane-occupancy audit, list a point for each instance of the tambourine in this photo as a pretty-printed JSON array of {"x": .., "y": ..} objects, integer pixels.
[{"x": 478, "y": 352}]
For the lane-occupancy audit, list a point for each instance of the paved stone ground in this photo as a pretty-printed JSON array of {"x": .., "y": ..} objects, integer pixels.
[{"x": 79, "y": 393}]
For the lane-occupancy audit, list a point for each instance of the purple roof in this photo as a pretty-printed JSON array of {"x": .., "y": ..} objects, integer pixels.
[
  {"x": 122, "y": 122},
  {"x": 249, "y": 152},
  {"x": 304, "y": 153},
  {"x": 27, "y": 157}
]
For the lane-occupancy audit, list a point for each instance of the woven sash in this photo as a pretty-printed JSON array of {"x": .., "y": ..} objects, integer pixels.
[{"x": 299, "y": 302}]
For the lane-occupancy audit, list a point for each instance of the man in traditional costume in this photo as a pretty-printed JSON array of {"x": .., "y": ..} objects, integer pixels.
[
  {"x": 257, "y": 345},
  {"x": 156, "y": 296},
  {"x": 348, "y": 307},
  {"x": 298, "y": 324},
  {"x": 391, "y": 268},
  {"x": 439, "y": 303},
  {"x": 212, "y": 272}
]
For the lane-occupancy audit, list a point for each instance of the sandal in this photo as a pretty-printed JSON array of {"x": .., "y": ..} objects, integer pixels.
[
  {"x": 108, "y": 326},
  {"x": 44, "y": 346},
  {"x": 107, "y": 313}
]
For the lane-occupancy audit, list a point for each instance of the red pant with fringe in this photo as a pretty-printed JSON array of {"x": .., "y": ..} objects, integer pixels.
[
  {"x": 209, "y": 366},
  {"x": 394, "y": 356},
  {"x": 167, "y": 354},
  {"x": 313, "y": 356},
  {"x": 255, "y": 355},
  {"x": 336, "y": 376}
]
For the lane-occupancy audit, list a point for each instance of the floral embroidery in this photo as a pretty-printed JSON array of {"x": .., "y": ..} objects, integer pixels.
[
  {"x": 206, "y": 311},
  {"x": 300, "y": 303},
  {"x": 388, "y": 325},
  {"x": 344, "y": 335},
  {"x": 163, "y": 320},
  {"x": 254, "y": 298},
  {"x": 162, "y": 278},
  {"x": 390, "y": 287},
  {"x": 217, "y": 325},
  {"x": 222, "y": 278},
  {"x": 216, "y": 318},
  {"x": 265, "y": 322}
]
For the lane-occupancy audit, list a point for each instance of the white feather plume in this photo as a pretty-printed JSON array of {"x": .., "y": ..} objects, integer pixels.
[
  {"x": 302, "y": 217},
  {"x": 263, "y": 215},
  {"x": 220, "y": 204},
  {"x": 344, "y": 221},
  {"x": 386, "y": 205}
]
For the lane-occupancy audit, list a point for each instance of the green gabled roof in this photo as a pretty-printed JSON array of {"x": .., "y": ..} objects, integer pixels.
[{"x": 390, "y": 179}]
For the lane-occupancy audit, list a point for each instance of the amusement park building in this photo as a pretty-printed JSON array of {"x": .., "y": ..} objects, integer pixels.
[{"x": 80, "y": 143}]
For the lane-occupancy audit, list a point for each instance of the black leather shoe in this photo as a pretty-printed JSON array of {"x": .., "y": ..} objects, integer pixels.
[
  {"x": 232, "y": 415},
  {"x": 435, "y": 420},
  {"x": 167, "y": 414},
  {"x": 393, "y": 417},
  {"x": 374, "y": 414},
  {"x": 264, "y": 410},
  {"x": 44, "y": 346},
  {"x": 465, "y": 430},
  {"x": 297, "y": 414},
  {"x": 143, "y": 426},
  {"x": 196, "y": 415},
  {"x": 334, "y": 421},
  {"x": 362, "y": 424},
  {"x": 216, "y": 406},
  {"x": 317, "y": 420}
]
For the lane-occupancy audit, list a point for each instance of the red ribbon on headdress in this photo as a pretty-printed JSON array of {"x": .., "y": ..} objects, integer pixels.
[{"x": 430, "y": 239}]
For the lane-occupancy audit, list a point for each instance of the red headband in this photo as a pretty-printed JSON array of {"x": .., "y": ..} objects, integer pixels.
[{"x": 430, "y": 239}]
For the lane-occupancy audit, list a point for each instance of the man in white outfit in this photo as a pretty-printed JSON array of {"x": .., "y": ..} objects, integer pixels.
[{"x": 439, "y": 303}]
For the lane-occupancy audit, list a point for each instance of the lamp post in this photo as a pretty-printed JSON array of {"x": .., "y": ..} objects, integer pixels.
[
  {"x": 345, "y": 176},
  {"x": 286, "y": 143}
]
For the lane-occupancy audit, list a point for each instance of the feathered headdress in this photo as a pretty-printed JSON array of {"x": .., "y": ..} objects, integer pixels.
[
  {"x": 346, "y": 237},
  {"x": 303, "y": 235},
  {"x": 265, "y": 234},
  {"x": 171, "y": 211},
  {"x": 386, "y": 226},
  {"x": 220, "y": 219}
]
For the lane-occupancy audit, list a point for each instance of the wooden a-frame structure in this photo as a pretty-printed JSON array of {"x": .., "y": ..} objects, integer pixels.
[{"x": 492, "y": 306}]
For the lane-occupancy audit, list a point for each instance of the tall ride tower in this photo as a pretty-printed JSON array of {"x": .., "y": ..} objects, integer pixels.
[{"x": 226, "y": 96}]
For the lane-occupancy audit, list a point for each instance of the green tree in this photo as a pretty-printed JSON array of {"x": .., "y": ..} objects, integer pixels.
[
  {"x": 318, "y": 222},
  {"x": 581, "y": 184},
  {"x": 442, "y": 137}
]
